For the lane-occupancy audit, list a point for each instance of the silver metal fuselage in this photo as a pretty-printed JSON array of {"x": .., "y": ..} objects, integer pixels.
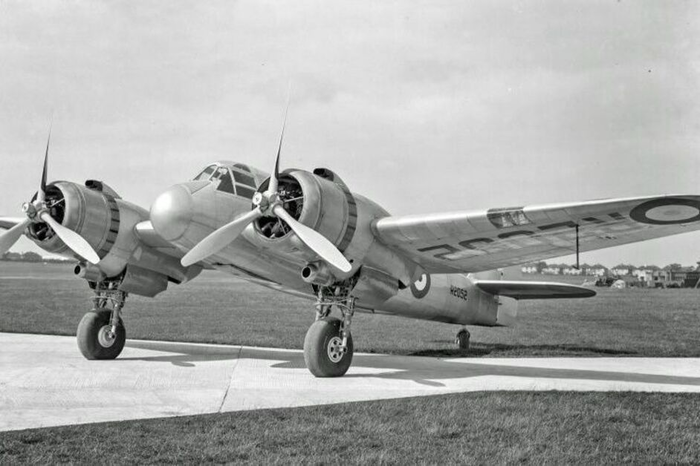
[
  {"x": 182, "y": 216},
  {"x": 388, "y": 282}
]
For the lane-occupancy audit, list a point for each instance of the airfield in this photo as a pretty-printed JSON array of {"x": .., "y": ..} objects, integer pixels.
[
  {"x": 221, "y": 346},
  {"x": 154, "y": 379}
]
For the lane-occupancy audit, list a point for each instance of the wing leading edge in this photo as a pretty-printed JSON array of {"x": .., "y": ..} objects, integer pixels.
[
  {"x": 486, "y": 240},
  {"x": 8, "y": 222}
]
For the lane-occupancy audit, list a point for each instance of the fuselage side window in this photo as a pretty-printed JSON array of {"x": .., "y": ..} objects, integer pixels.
[{"x": 206, "y": 173}]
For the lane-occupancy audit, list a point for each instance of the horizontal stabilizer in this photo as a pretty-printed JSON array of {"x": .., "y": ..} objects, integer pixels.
[{"x": 534, "y": 290}]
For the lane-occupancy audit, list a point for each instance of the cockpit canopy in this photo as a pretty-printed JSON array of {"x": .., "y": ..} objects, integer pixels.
[{"x": 232, "y": 178}]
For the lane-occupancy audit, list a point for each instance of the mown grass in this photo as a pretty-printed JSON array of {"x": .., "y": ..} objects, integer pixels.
[
  {"x": 507, "y": 428},
  {"x": 217, "y": 308},
  {"x": 477, "y": 428}
]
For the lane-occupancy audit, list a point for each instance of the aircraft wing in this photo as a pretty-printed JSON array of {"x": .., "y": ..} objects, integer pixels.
[
  {"x": 8, "y": 222},
  {"x": 534, "y": 290},
  {"x": 494, "y": 238},
  {"x": 147, "y": 234}
]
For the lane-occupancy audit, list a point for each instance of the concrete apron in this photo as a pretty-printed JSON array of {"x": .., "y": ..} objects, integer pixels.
[{"x": 45, "y": 381}]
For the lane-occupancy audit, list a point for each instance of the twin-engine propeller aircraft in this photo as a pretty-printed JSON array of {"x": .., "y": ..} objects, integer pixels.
[{"x": 308, "y": 234}]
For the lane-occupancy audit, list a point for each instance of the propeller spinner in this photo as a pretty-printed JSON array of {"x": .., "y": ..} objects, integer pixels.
[
  {"x": 268, "y": 203},
  {"x": 38, "y": 211}
]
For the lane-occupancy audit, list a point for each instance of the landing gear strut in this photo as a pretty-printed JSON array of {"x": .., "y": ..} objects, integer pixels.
[
  {"x": 101, "y": 332},
  {"x": 462, "y": 339},
  {"x": 328, "y": 347}
]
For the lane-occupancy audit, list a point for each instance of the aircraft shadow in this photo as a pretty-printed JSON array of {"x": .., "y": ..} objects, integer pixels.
[{"x": 429, "y": 371}]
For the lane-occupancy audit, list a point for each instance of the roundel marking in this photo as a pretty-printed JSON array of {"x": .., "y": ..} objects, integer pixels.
[
  {"x": 421, "y": 287},
  {"x": 667, "y": 211}
]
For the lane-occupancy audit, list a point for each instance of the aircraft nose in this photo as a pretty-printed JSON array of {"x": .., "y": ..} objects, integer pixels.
[{"x": 172, "y": 212}]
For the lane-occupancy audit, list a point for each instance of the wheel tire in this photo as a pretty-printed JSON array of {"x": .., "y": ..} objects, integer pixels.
[
  {"x": 321, "y": 335},
  {"x": 90, "y": 341},
  {"x": 463, "y": 337}
]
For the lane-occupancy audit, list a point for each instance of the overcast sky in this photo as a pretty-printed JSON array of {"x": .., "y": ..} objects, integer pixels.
[{"x": 422, "y": 106}]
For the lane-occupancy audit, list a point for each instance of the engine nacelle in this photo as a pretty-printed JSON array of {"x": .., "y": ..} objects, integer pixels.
[
  {"x": 319, "y": 203},
  {"x": 107, "y": 223},
  {"x": 93, "y": 214},
  {"x": 326, "y": 206},
  {"x": 323, "y": 202}
]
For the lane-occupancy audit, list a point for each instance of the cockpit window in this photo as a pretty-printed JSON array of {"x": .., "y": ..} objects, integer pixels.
[
  {"x": 244, "y": 191},
  {"x": 222, "y": 178},
  {"x": 206, "y": 173},
  {"x": 237, "y": 179},
  {"x": 245, "y": 168},
  {"x": 244, "y": 179}
]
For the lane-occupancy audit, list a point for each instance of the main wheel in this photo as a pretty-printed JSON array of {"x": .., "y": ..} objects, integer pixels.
[
  {"x": 94, "y": 335},
  {"x": 322, "y": 349},
  {"x": 462, "y": 339}
]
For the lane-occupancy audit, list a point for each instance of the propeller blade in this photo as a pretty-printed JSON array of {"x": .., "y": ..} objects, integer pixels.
[
  {"x": 220, "y": 238},
  {"x": 42, "y": 191},
  {"x": 73, "y": 240},
  {"x": 274, "y": 178},
  {"x": 316, "y": 241},
  {"x": 12, "y": 235}
]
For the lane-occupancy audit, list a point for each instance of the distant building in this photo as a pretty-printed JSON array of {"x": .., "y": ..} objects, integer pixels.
[
  {"x": 596, "y": 270},
  {"x": 645, "y": 276},
  {"x": 570, "y": 270},
  {"x": 650, "y": 276},
  {"x": 681, "y": 274},
  {"x": 553, "y": 269},
  {"x": 622, "y": 270}
]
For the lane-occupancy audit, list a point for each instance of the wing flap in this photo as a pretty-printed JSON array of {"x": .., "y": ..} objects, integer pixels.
[{"x": 534, "y": 290}]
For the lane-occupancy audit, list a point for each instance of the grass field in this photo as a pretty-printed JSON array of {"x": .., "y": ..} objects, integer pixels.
[
  {"x": 506, "y": 428},
  {"x": 217, "y": 308},
  {"x": 478, "y": 428}
]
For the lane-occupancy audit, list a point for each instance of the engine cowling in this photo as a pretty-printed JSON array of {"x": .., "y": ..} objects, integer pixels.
[
  {"x": 92, "y": 214},
  {"x": 319, "y": 203},
  {"x": 322, "y": 201},
  {"x": 107, "y": 223}
]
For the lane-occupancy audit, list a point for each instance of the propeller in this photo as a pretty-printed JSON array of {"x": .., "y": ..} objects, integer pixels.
[
  {"x": 268, "y": 203},
  {"x": 39, "y": 211}
]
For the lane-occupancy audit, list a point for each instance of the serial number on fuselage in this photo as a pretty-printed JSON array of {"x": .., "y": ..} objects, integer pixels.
[{"x": 458, "y": 292}]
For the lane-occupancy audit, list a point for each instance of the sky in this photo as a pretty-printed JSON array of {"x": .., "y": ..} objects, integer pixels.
[{"x": 423, "y": 106}]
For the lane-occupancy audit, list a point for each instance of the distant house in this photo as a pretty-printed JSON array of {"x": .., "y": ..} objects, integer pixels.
[
  {"x": 662, "y": 277},
  {"x": 645, "y": 276},
  {"x": 623, "y": 269},
  {"x": 570, "y": 270},
  {"x": 553, "y": 269},
  {"x": 596, "y": 270},
  {"x": 648, "y": 275},
  {"x": 680, "y": 275},
  {"x": 529, "y": 268}
]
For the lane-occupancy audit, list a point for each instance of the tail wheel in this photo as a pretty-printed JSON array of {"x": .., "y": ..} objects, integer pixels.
[
  {"x": 95, "y": 338},
  {"x": 323, "y": 349},
  {"x": 462, "y": 339}
]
